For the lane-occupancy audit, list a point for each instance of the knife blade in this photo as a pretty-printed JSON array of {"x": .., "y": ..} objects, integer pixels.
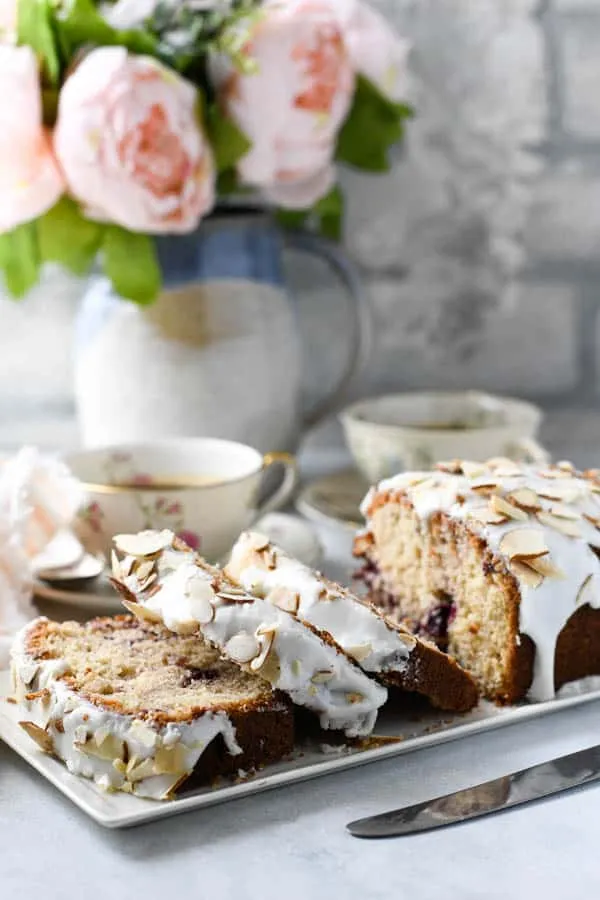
[{"x": 529, "y": 784}]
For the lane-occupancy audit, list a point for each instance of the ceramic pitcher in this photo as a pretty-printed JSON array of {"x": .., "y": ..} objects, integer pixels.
[{"x": 218, "y": 353}]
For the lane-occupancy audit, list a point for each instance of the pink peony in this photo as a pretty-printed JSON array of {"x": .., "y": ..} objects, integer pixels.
[
  {"x": 376, "y": 50},
  {"x": 130, "y": 143},
  {"x": 293, "y": 106},
  {"x": 30, "y": 181}
]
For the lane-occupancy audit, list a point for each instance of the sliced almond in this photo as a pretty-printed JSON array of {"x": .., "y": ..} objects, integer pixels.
[
  {"x": 564, "y": 512},
  {"x": 501, "y": 506},
  {"x": 565, "y": 466},
  {"x": 110, "y": 748},
  {"x": 545, "y": 567},
  {"x": 123, "y": 590},
  {"x": 428, "y": 484},
  {"x": 138, "y": 769},
  {"x": 37, "y": 734},
  {"x": 243, "y": 647},
  {"x": 142, "y": 612},
  {"x": 526, "y": 574},
  {"x": 564, "y": 526},
  {"x": 525, "y": 498},
  {"x": 584, "y": 594},
  {"x": 144, "y": 570},
  {"x": 594, "y": 520},
  {"x": 201, "y": 596},
  {"x": 487, "y": 516},
  {"x": 523, "y": 544},
  {"x": 322, "y": 676},
  {"x": 256, "y": 541},
  {"x": 473, "y": 469},
  {"x": 170, "y": 760},
  {"x": 266, "y": 637},
  {"x": 142, "y": 733},
  {"x": 144, "y": 585},
  {"x": 115, "y": 565},
  {"x": 146, "y": 544},
  {"x": 285, "y": 599},
  {"x": 485, "y": 487},
  {"x": 360, "y": 652}
]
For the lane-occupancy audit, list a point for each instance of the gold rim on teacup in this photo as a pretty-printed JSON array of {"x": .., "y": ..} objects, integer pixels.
[{"x": 174, "y": 485}]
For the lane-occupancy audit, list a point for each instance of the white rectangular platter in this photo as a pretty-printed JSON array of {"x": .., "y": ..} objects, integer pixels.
[{"x": 417, "y": 731}]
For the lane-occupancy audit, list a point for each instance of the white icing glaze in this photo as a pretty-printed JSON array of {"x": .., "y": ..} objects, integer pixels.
[
  {"x": 356, "y": 627},
  {"x": 312, "y": 672},
  {"x": 544, "y": 610},
  {"x": 81, "y": 719}
]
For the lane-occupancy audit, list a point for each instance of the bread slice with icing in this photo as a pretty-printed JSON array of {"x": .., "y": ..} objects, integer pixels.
[
  {"x": 139, "y": 709},
  {"x": 382, "y": 648},
  {"x": 161, "y": 579},
  {"x": 498, "y": 562}
]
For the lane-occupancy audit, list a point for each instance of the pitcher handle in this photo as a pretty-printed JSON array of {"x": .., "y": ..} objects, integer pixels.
[
  {"x": 529, "y": 450},
  {"x": 362, "y": 324}
]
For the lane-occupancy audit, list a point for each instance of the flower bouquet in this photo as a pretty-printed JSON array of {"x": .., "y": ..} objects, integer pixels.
[{"x": 128, "y": 119}]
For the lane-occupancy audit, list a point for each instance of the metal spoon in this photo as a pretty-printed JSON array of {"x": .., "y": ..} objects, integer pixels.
[{"x": 74, "y": 577}]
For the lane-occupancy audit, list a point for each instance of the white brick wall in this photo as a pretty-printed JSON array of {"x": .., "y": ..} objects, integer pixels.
[{"x": 481, "y": 250}]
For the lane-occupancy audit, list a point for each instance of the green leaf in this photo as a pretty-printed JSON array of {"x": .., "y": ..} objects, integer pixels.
[
  {"x": 19, "y": 259},
  {"x": 67, "y": 237},
  {"x": 330, "y": 214},
  {"x": 131, "y": 264},
  {"x": 78, "y": 22},
  {"x": 373, "y": 126},
  {"x": 228, "y": 142},
  {"x": 34, "y": 28}
]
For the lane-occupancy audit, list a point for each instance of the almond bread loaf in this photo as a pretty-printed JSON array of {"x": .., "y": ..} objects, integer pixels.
[
  {"x": 161, "y": 579},
  {"x": 382, "y": 648},
  {"x": 498, "y": 563},
  {"x": 139, "y": 709}
]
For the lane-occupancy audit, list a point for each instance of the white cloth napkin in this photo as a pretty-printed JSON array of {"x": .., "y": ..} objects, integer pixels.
[{"x": 38, "y": 497}]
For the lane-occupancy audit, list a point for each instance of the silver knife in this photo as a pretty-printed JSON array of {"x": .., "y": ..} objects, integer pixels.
[{"x": 493, "y": 796}]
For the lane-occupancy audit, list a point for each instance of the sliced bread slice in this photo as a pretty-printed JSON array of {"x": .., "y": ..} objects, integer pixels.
[
  {"x": 161, "y": 579},
  {"x": 139, "y": 709},
  {"x": 379, "y": 646}
]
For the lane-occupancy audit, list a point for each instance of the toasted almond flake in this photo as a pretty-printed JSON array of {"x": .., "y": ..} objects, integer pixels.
[
  {"x": 39, "y": 735},
  {"x": 256, "y": 541},
  {"x": 554, "y": 473},
  {"x": 270, "y": 558},
  {"x": 110, "y": 748},
  {"x": 140, "y": 732},
  {"x": 526, "y": 574},
  {"x": 426, "y": 485},
  {"x": 138, "y": 769},
  {"x": 567, "y": 493},
  {"x": 545, "y": 567},
  {"x": 594, "y": 520},
  {"x": 144, "y": 568},
  {"x": 504, "y": 508},
  {"x": 322, "y": 676},
  {"x": 583, "y": 594},
  {"x": 354, "y": 697},
  {"x": 564, "y": 512},
  {"x": 413, "y": 478},
  {"x": 473, "y": 469},
  {"x": 145, "y": 544},
  {"x": 523, "y": 544},
  {"x": 170, "y": 760},
  {"x": 27, "y": 672},
  {"x": 242, "y": 648},
  {"x": 44, "y": 696},
  {"x": 142, "y": 612},
  {"x": 285, "y": 599},
  {"x": 360, "y": 652},
  {"x": 564, "y": 526},
  {"x": 144, "y": 585},
  {"x": 123, "y": 590},
  {"x": 115, "y": 565},
  {"x": 487, "y": 516},
  {"x": 525, "y": 498},
  {"x": 485, "y": 487},
  {"x": 120, "y": 766},
  {"x": 266, "y": 636}
]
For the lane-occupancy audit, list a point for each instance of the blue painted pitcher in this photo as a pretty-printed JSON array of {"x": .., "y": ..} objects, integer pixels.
[{"x": 218, "y": 353}]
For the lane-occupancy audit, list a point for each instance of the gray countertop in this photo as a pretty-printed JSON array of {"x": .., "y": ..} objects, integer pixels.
[{"x": 292, "y": 842}]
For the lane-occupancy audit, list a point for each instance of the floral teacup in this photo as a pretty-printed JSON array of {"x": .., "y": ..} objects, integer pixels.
[
  {"x": 205, "y": 490},
  {"x": 389, "y": 434}
]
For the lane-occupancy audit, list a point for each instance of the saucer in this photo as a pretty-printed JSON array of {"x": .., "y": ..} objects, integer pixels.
[
  {"x": 293, "y": 534},
  {"x": 334, "y": 500}
]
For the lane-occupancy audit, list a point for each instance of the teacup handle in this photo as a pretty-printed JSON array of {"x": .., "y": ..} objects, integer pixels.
[
  {"x": 287, "y": 487},
  {"x": 532, "y": 451}
]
